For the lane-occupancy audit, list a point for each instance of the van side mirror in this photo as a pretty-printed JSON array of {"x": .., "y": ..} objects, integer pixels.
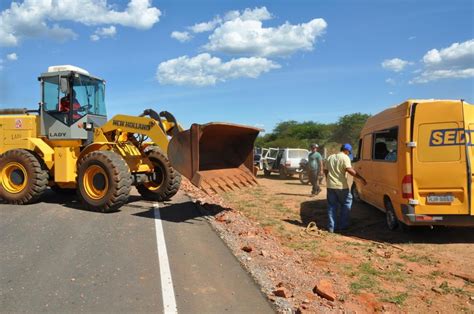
[{"x": 64, "y": 85}]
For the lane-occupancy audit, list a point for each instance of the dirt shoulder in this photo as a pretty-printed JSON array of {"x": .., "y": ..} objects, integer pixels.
[{"x": 366, "y": 269}]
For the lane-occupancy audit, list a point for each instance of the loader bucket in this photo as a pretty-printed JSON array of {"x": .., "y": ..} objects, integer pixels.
[{"x": 215, "y": 156}]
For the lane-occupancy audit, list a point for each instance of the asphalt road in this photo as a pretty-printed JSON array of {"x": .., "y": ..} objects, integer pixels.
[{"x": 57, "y": 257}]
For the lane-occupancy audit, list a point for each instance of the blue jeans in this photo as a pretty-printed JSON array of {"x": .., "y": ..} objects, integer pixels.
[{"x": 339, "y": 201}]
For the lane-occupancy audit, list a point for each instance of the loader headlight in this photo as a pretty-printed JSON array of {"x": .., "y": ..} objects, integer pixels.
[{"x": 88, "y": 126}]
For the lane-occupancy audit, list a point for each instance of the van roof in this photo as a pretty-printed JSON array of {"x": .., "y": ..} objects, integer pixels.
[{"x": 402, "y": 108}]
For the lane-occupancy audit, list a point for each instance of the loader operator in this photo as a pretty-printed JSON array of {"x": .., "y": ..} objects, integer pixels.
[
  {"x": 315, "y": 165},
  {"x": 65, "y": 105}
]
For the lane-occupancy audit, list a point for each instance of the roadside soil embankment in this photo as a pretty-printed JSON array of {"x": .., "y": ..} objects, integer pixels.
[{"x": 366, "y": 269}]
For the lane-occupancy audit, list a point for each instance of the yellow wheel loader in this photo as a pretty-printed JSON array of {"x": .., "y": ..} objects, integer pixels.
[{"x": 69, "y": 145}]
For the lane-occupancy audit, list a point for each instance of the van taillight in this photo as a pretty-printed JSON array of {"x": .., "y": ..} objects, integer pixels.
[{"x": 407, "y": 187}]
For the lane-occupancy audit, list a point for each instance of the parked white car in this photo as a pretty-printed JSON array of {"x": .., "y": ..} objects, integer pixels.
[
  {"x": 258, "y": 156},
  {"x": 284, "y": 161}
]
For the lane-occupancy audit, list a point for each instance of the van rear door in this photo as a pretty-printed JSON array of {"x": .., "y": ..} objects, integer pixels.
[
  {"x": 441, "y": 172},
  {"x": 469, "y": 123}
]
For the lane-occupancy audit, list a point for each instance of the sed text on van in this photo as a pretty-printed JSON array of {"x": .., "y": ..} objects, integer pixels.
[{"x": 450, "y": 137}]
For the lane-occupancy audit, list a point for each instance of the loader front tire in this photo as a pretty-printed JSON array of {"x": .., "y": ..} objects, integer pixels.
[
  {"x": 103, "y": 181},
  {"x": 23, "y": 177},
  {"x": 167, "y": 180}
]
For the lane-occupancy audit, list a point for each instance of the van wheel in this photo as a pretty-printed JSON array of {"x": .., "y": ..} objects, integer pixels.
[
  {"x": 391, "y": 218},
  {"x": 266, "y": 172},
  {"x": 355, "y": 193}
]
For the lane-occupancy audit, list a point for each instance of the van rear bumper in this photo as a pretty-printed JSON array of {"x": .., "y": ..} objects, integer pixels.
[{"x": 410, "y": 218}]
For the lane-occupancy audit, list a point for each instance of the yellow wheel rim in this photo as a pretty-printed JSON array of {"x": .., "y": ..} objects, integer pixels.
[
  {"x": 14, "y": 177},
  {"x": 155, "y": 185},
  {"x": 95, "y": 182},
  {"x": 152, "y": 186}
]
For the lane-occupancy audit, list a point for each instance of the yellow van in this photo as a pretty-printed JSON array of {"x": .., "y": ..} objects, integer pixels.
[{"x": 417, "y": 158}]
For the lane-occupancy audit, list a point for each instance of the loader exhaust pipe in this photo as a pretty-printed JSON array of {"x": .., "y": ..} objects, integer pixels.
[{"x": 215, "y": 156}]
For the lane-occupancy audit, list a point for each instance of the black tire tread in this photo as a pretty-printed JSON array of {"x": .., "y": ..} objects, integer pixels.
[
  {"x": 122, "y": 180},
  {"x": 39, "y": 175},
  {"x": 390, "y": 210},
  {"x": 171, "y": 184}
]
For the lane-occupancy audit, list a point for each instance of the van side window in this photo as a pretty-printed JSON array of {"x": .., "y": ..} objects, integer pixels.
[
  {"x": 385, "y": 145},
  {"x": 367, "y": 147}
]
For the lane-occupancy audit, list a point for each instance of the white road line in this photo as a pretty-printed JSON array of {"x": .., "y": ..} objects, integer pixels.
[{"x": 167, "y": 291}]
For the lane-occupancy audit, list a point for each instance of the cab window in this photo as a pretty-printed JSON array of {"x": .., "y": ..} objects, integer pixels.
[
  {"x": 90, "y": 94},
  {"x": 385, "y": 145},
  {"x": 51, "y": 94}
]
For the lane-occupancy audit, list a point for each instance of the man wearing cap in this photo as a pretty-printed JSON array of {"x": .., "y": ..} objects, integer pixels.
[
  {"x": 338, "y": 193},
  {"x": 315, "y": 168}
]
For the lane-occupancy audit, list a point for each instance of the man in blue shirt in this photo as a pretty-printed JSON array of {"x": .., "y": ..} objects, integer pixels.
[{"x": 315, "y": 168}]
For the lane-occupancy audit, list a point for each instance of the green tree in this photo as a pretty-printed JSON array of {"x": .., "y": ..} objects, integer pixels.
[
  {"x": 348, "y": 128},
  {"x": 301, "y": 134}
]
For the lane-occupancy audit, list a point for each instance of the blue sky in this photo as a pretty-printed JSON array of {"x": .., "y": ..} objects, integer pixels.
[{"x": 257, "y": 63}]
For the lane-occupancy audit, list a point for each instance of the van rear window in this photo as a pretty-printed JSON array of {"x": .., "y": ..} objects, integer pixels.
[
  {"x": 297, "y": 154},
  {"x": 437, "y": 142}
]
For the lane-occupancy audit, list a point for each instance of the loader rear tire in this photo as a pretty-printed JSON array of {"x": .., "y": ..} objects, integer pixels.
[
  {"x": 103, "y": 181},
  {"x": 23, "y": 177},
  {"x": 168, "y": 180}
]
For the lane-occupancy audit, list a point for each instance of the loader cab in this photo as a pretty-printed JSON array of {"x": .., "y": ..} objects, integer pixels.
[{"x": 72, "y": 103}]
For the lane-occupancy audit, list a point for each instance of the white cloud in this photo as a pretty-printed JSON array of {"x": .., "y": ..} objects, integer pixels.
[
  {"x": 104, "y": 32},
  {"x": 257, "y": 14},
  {"x": 434, "y": 75},
  {"x": 205, "y": 26},
  {"x": 455, "y": 61},
  {"x": 204, "y": 69},
  {"x": 248, "y": 37},
  {"x": 242, "y": 33},
  {"x": 396, "y": 64},
  {"x": 12, "y": 56},
  {"x": 458, "y": 54},
  {"x": 32, "y": 17},
  {"x": 181, "y": 36},
  {"x": 390, "y": 81}
]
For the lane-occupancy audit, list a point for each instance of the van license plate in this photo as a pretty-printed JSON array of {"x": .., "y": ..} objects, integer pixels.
[{"x": 440, "y": 199}]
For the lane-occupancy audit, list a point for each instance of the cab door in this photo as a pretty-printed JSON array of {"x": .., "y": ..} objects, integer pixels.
[{"x": 440, "y": 166}]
